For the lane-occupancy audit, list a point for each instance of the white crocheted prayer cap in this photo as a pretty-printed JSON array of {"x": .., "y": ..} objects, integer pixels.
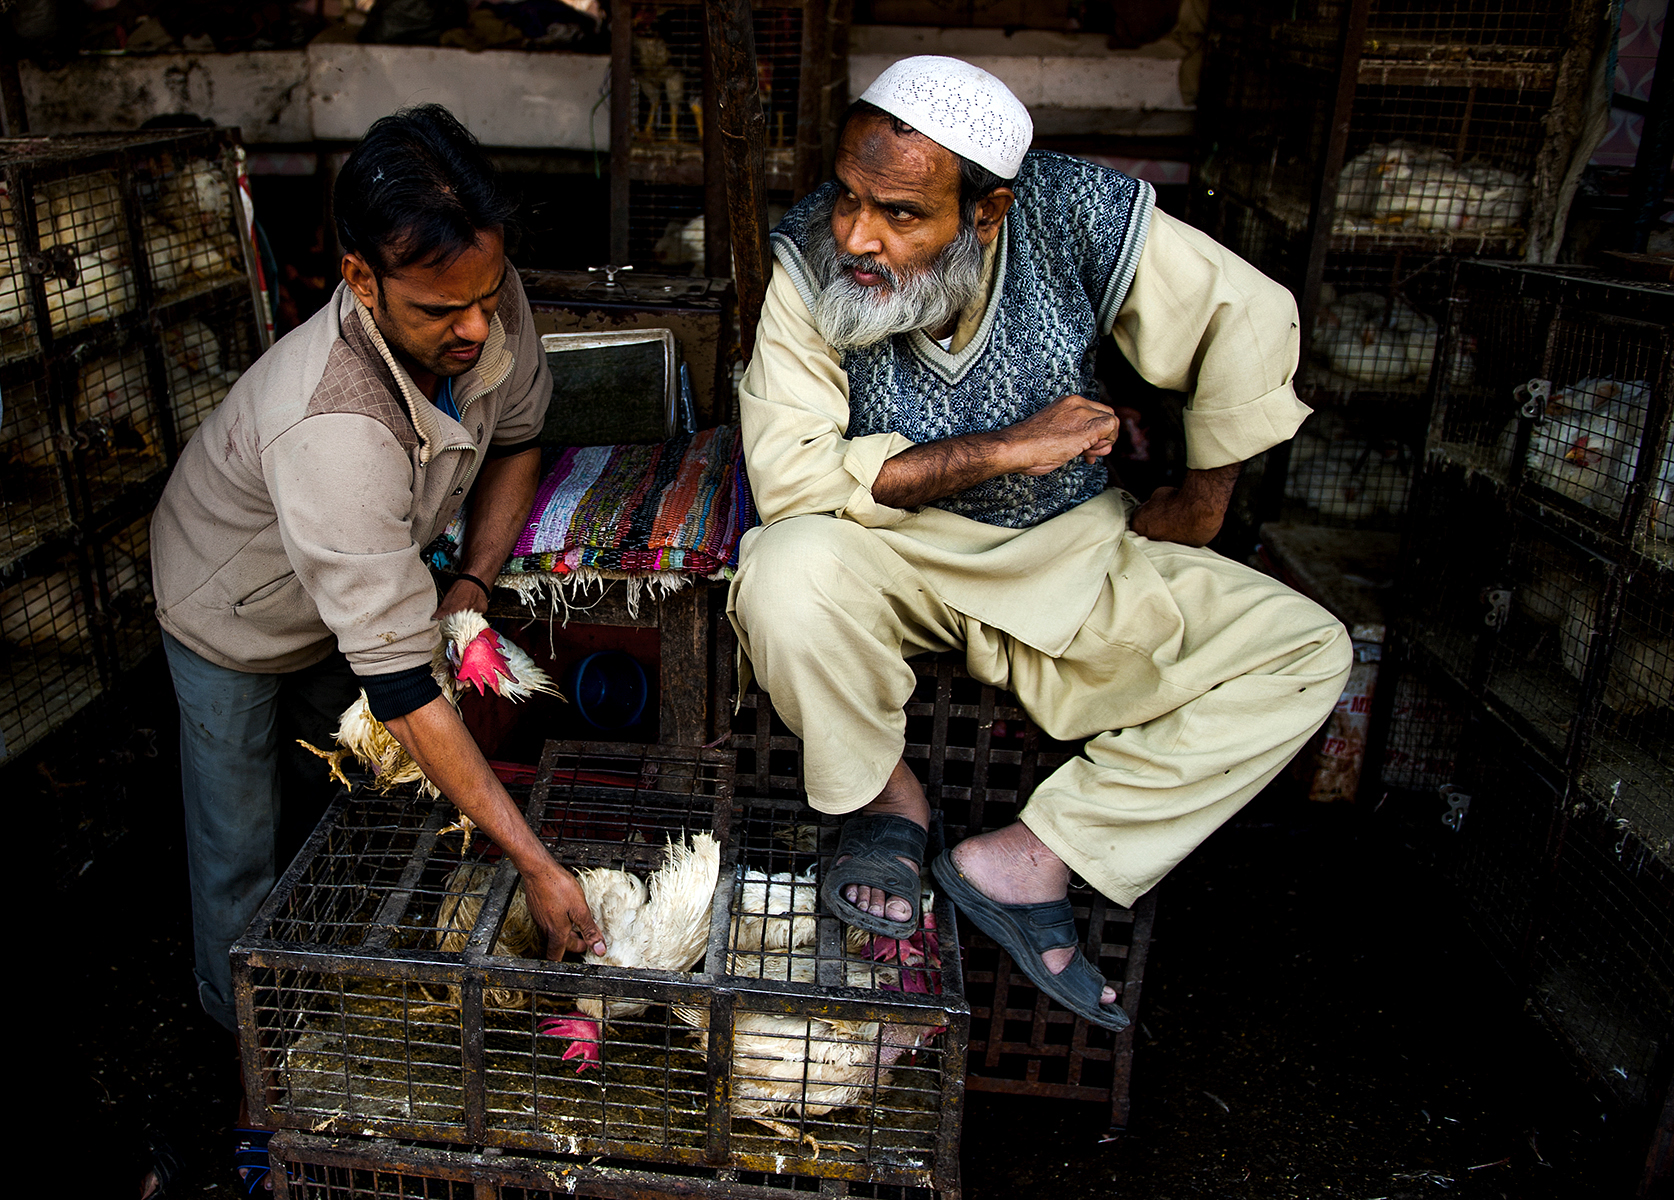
[{"x": 958, "y": 106}]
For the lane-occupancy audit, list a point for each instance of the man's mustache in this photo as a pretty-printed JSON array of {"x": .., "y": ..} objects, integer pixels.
[{"x": 868, "y": 265}]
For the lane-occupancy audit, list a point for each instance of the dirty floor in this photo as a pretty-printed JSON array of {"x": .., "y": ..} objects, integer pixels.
[{"x": 1317, "y": 1022}]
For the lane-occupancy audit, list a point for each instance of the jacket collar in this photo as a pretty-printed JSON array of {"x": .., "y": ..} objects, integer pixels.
[{"x": 435, "y": 430}]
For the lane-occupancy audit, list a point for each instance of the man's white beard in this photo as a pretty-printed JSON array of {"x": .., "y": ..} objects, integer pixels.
[{"x": 850, "y": 316}]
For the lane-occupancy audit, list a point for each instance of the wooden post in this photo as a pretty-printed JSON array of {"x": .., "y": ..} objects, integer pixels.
[
  {"x": 717, "y": 229},
  {"x": 622, "y": 116},
  {"x": 743, "y": 131}
]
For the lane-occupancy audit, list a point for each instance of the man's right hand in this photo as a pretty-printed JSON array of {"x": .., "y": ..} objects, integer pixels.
[
  {"x": 560, "y": 909},
  {"x": 1070, "y": 428}
]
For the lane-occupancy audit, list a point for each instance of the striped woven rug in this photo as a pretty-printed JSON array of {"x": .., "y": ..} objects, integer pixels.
[{"x": 681, "y": 505}]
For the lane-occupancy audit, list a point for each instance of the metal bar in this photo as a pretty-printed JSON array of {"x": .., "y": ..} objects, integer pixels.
[
  {"x": 743, "y": 127},
  {"x": 1139, "y": 947},
  {"x": 621, "y": 124},
  {"x": 383, "y": 926},
  {"x": 1656, "y": 147},
  {"x": 718, "y": 1139},
  {"x": 809, "y": 169}
]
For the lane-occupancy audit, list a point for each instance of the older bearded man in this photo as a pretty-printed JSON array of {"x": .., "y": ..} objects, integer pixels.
[{"x": 930, "y": 471}]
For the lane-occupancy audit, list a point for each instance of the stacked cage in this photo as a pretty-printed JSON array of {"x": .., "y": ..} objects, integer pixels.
[
  {"x": 1539, "y": 616},
  {"x": 671, "y": 185},
  {"x": 1356, "y": 146},
  {"x": 394, "y": 988},
  {"x": 979, "y": 758},
  {"x": 128, "y": 305}
]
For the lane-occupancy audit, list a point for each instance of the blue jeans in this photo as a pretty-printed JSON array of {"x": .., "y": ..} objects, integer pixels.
[{"x": 237, "y": 734}]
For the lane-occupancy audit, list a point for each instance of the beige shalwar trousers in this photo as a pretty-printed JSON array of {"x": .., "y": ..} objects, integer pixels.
[{"x": 1195, "y": 679}]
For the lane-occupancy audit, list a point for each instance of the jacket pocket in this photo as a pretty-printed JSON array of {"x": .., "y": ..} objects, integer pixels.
[{"x": 272, "y": 599}]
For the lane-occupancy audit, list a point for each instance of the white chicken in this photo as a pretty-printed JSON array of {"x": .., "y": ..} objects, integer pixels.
[
  {"x": 197, "y": 382},
  {"x": 787, "y": 1065},
  {"x": 1407, "y": 185},
  {"x": 1375, "y": 340},
  {"x": 113, "y": 407},
  {"x": 79, "y": 224},
  {"x": 1586, "y": 444},
  {"x": 1641, "y": 665},
  {"x": 469, "y": 653},
  {"x": 1351, "y": 479},
  {"x": 660, "y": 924}
]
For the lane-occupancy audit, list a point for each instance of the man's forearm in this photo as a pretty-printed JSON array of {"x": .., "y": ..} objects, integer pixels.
[
  {"x": 933, "y": 471},
  {"x": 444, "y": 749},
  {"x": 500, "y": 502}
]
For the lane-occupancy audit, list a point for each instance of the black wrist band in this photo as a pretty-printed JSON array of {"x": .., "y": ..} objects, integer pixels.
[{"x": 487, "y": 592}]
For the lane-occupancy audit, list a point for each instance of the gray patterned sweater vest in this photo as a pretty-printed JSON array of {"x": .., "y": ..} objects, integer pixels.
[{"x": 1070, "y": 245}]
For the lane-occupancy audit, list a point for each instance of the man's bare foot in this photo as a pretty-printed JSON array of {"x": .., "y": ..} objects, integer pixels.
[
  {"x": 902, "y": 796},
  {"x": 1013, "y": 866}
]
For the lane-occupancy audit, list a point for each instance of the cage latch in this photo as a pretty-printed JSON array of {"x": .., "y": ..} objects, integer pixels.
[
  {"x": 610, "y": 272},
  {"x": 1498, "y": 601},
  {"x": 1534, "y": 395},
  {"x": 57, "y": 262},
  {"x": 1458, "y": 804}
]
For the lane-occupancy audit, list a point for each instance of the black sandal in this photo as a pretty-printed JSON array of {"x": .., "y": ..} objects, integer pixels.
[
  {"x": 1026, "y": 932},
  {"x": 875, "y": 846}
]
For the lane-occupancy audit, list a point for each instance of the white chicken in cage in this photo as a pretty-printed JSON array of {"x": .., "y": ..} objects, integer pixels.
[
  {"x": 1405, "y": 185},
  {"x": 659, "y": 924},
  {"x": 802, "y": 1066},
  {"x": 1373, "y": 339},
  {"x": 468, "y": 654},
  {"x": 188, "y": 228},
  {"x": 42, "y": 611},
  {"x": 1586, "y": 443},
  {"x": 465, "y": 888},
  {"x": 113, "y": 407},
  {"x": 1352, "y": 479},
  {"x": 197, "y": 380},
  {"x": 1641, "y": 675},
  {"x": 79, "y": 224}
]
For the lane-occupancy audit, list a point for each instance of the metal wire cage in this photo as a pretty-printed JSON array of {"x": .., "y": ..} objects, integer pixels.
[
  {"x": 128, "y": 304},
  {"x": 979, "y": 758},
  {"x": 385, "y": 988}
]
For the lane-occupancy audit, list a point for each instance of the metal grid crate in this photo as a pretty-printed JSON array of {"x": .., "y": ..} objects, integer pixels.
[
  {"x": 979, "y": 758},
  {"x": 318, "y": 1168},
  {"x": 128, "y": 304},
  {"x": 381, "y": 990},
  {"x": 51, "y": 670},
  {"x": 1569, "y": 399}
]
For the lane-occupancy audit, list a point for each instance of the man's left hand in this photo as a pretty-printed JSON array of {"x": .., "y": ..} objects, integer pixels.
[{"x": 1190, "y": 514}]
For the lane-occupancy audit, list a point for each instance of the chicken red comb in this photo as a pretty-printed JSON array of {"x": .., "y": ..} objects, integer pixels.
[
  {"x": 583, "y": 1033},
  {"x": 484, "y": 664}
]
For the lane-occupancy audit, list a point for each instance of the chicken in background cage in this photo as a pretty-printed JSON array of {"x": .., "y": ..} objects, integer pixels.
[
  {"x": 204, "y": 356},
  {"x": 47, "y": 647},
  {"x": 115, "y": 425},
  {"x": 124, "y": 561},
  {"x": 82, "y": 232},
  {"x": 190, "y": 225},
  {"x": 33, "y": 505}
]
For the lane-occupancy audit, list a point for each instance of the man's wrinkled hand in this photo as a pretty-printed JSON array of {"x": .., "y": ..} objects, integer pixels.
[
  {"x": 1067, "y": 429},
  {"x": 560, "y": 909}
]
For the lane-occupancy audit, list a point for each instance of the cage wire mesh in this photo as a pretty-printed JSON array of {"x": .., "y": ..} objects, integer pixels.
[
  {"x": 81, "y": 228},
  {"x": 1603, "y": 965},
  {"x": 124, "y": 563},
  {"x": 1424, "y": 733},
  {"x": 666, "y": 224},
  {"x": 126, "y": 312},
  {"x": 114, "y": 417},
  {"x": 396, "y": 984},
  {"x": 17, "y": 323},
  {"x": 979, "y": 758},
  {"x": 190, "y": 224},
  {"x": 204, "y": 355},
  {"x": 50, "y": 668},
  {"x": 33, "y": 503}
]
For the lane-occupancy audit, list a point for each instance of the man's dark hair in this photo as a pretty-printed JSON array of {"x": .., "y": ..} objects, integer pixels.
[
  {"x": 418, "y": 188},
  {"x": 975, "y": 180}
]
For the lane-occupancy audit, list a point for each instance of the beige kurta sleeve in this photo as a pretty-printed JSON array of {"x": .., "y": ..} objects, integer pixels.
[
  {"x": 1201, "y": 320},
  {"x": 794, "y": 415}
]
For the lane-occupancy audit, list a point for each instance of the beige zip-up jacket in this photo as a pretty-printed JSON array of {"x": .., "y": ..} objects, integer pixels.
[{"x": 294, "y": 520}]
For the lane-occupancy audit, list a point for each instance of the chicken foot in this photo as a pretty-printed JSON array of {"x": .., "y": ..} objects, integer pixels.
[
  {"x": 790, "y": 1133},
  {"x": 334, "y": 760}
]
